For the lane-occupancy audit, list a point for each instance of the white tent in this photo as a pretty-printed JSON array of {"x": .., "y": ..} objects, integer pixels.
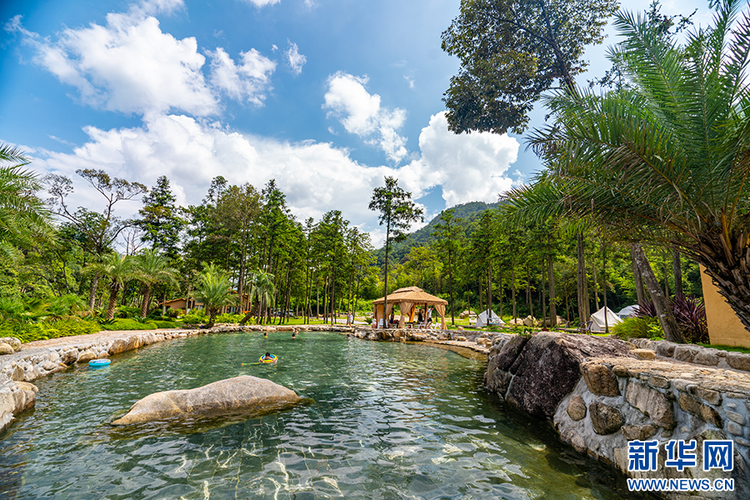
[
  {"x": 628, "y": 312},
  {"x": 488, "y": 317},
  {"x": 597, "y": 325}
]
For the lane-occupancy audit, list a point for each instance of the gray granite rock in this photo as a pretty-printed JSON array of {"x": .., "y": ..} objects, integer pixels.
[
  {"x": 605, "y": 419},
  {"x": 233, "y": 395}
]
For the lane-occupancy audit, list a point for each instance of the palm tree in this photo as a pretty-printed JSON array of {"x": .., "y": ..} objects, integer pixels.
[
  {"x": 667, "y": 158},
  {"x": 153, "y": 269},
  {"x": 119, "y": 269},
  {"x": 22, "y": 214},
  {"x": 214, "y": 290},
  {"x": 262, "y": 288}
]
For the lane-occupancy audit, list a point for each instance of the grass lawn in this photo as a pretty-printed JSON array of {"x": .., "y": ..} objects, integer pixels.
[{"x": 727, "y": 348}]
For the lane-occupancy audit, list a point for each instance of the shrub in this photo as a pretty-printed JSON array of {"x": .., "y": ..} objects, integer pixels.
[
  {"x": 28, "y": 332},
  {"x": 633, "y": 328},
  {"x": 166, "y": 324},
  {"x": 690, "y": 314},
  {"x": 229, "y": 318},
  {"x": 125, "y": 312},
  {"x": 195, "y": 317},
  {"x": 128, "y": 324}
]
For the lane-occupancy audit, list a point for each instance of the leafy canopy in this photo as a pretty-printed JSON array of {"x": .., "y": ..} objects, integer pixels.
[
  {"x": 666, "y": 158},
  {"x": 511, "y": 51}
]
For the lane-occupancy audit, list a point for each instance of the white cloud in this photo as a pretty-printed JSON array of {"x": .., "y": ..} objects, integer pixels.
[
  {"x": 468, "y": 167},
  {"x": 294, "y": 58},
  {"x": 247, "y": 81},
  {"x": 262, "y": 3},
  {"x": 129, "y": 65},
  {"x": 361, "y": 113},
  {"x": 409, "y": 81},
  {"x": 316, "y": 177}
]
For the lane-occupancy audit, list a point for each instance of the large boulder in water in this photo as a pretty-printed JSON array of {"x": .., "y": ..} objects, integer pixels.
[
  {"x": 245, "y": 394},
  {"x": 535, "y": 374}
]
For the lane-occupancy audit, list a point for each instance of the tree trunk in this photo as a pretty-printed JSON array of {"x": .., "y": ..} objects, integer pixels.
[
  {"x": 582, "y": 285},
  {"x": 333, "y": 296},
  {"x": 146, "y": 300},
  {"x": 639, "y": 291},
  {"x": 604, "y": 287},
  {"x": 92, "y": 293},
  {"x": 481, "y": 296},
  {"x": 385, "y": 285},
  {"x": 596, "y": 287},
  {"x": 552, "y": 296},
  {"x": 489, "y": 290},
  {"x": 661, "y": 304},
  {"x": 542, "y": 297},
  {"x": 528, "y": 292},
  {"x": 114, "y": 289},
  {"x": 500, "y": 301},
  {"x": 513, "y": 292},
  {"x": 677, "y": 271},
  {"x": 450, "y": 288}
]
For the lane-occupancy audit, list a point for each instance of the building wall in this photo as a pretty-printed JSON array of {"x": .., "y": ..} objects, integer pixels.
[{"x": 724, "y": 327}]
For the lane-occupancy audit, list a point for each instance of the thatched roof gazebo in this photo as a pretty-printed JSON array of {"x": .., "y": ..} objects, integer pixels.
[{"x": 408, "y": 299}]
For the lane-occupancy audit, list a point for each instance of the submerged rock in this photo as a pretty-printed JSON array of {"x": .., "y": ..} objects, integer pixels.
[{"x": 225, "y": 397}]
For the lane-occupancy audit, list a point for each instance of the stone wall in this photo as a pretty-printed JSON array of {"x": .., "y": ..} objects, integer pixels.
[{"x": 599, "y": 397}]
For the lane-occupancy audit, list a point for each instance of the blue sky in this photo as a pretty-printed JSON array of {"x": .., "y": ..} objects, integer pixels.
[{"x": 325, "y": 96}]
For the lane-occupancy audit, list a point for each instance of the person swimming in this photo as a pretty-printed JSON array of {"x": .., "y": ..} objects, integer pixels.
[
  {"x": 268, "y": 358},
  {"x": 265, "y": 335}
]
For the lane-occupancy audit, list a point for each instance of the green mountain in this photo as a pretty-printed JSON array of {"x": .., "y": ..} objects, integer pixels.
[{"x": 469, "y": 212}]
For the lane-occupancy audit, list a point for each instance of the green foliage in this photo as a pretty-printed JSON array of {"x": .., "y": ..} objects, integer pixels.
[
  {"x": 124, "y": 312},
  {"x": 229, "y": 318},
  {"x": 634, "y": 328},
  {"x": 128, "y": 324},
  {"x": 167, "y": 324},
  {"x": 29, "y": 332},
  {"x": 159, "y": 220},
  {"x": 663, "y": 160},
  {"x": 195, "y": 317},
  {"x": 511, "y": 52},
  {"x": 23, "y": 216}
]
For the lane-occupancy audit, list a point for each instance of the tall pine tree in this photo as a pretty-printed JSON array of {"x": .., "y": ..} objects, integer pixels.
[{"x": 159, "y": 220}]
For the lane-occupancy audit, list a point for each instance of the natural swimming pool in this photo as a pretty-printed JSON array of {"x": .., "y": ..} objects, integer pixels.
[{"x": 389, "y": 421}]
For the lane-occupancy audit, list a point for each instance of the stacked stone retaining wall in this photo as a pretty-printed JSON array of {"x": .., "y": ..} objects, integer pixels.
[{"x": 601, "y": 393}]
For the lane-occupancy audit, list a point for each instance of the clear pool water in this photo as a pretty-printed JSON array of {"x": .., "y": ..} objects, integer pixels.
[{"x": 389, "y": 421}]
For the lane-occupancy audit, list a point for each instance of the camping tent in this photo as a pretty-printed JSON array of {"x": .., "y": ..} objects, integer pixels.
[
  {"x": 628, "y": 312},
  {"x": 597, "y": 324},
  {"x": 488, "y": 317}
]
